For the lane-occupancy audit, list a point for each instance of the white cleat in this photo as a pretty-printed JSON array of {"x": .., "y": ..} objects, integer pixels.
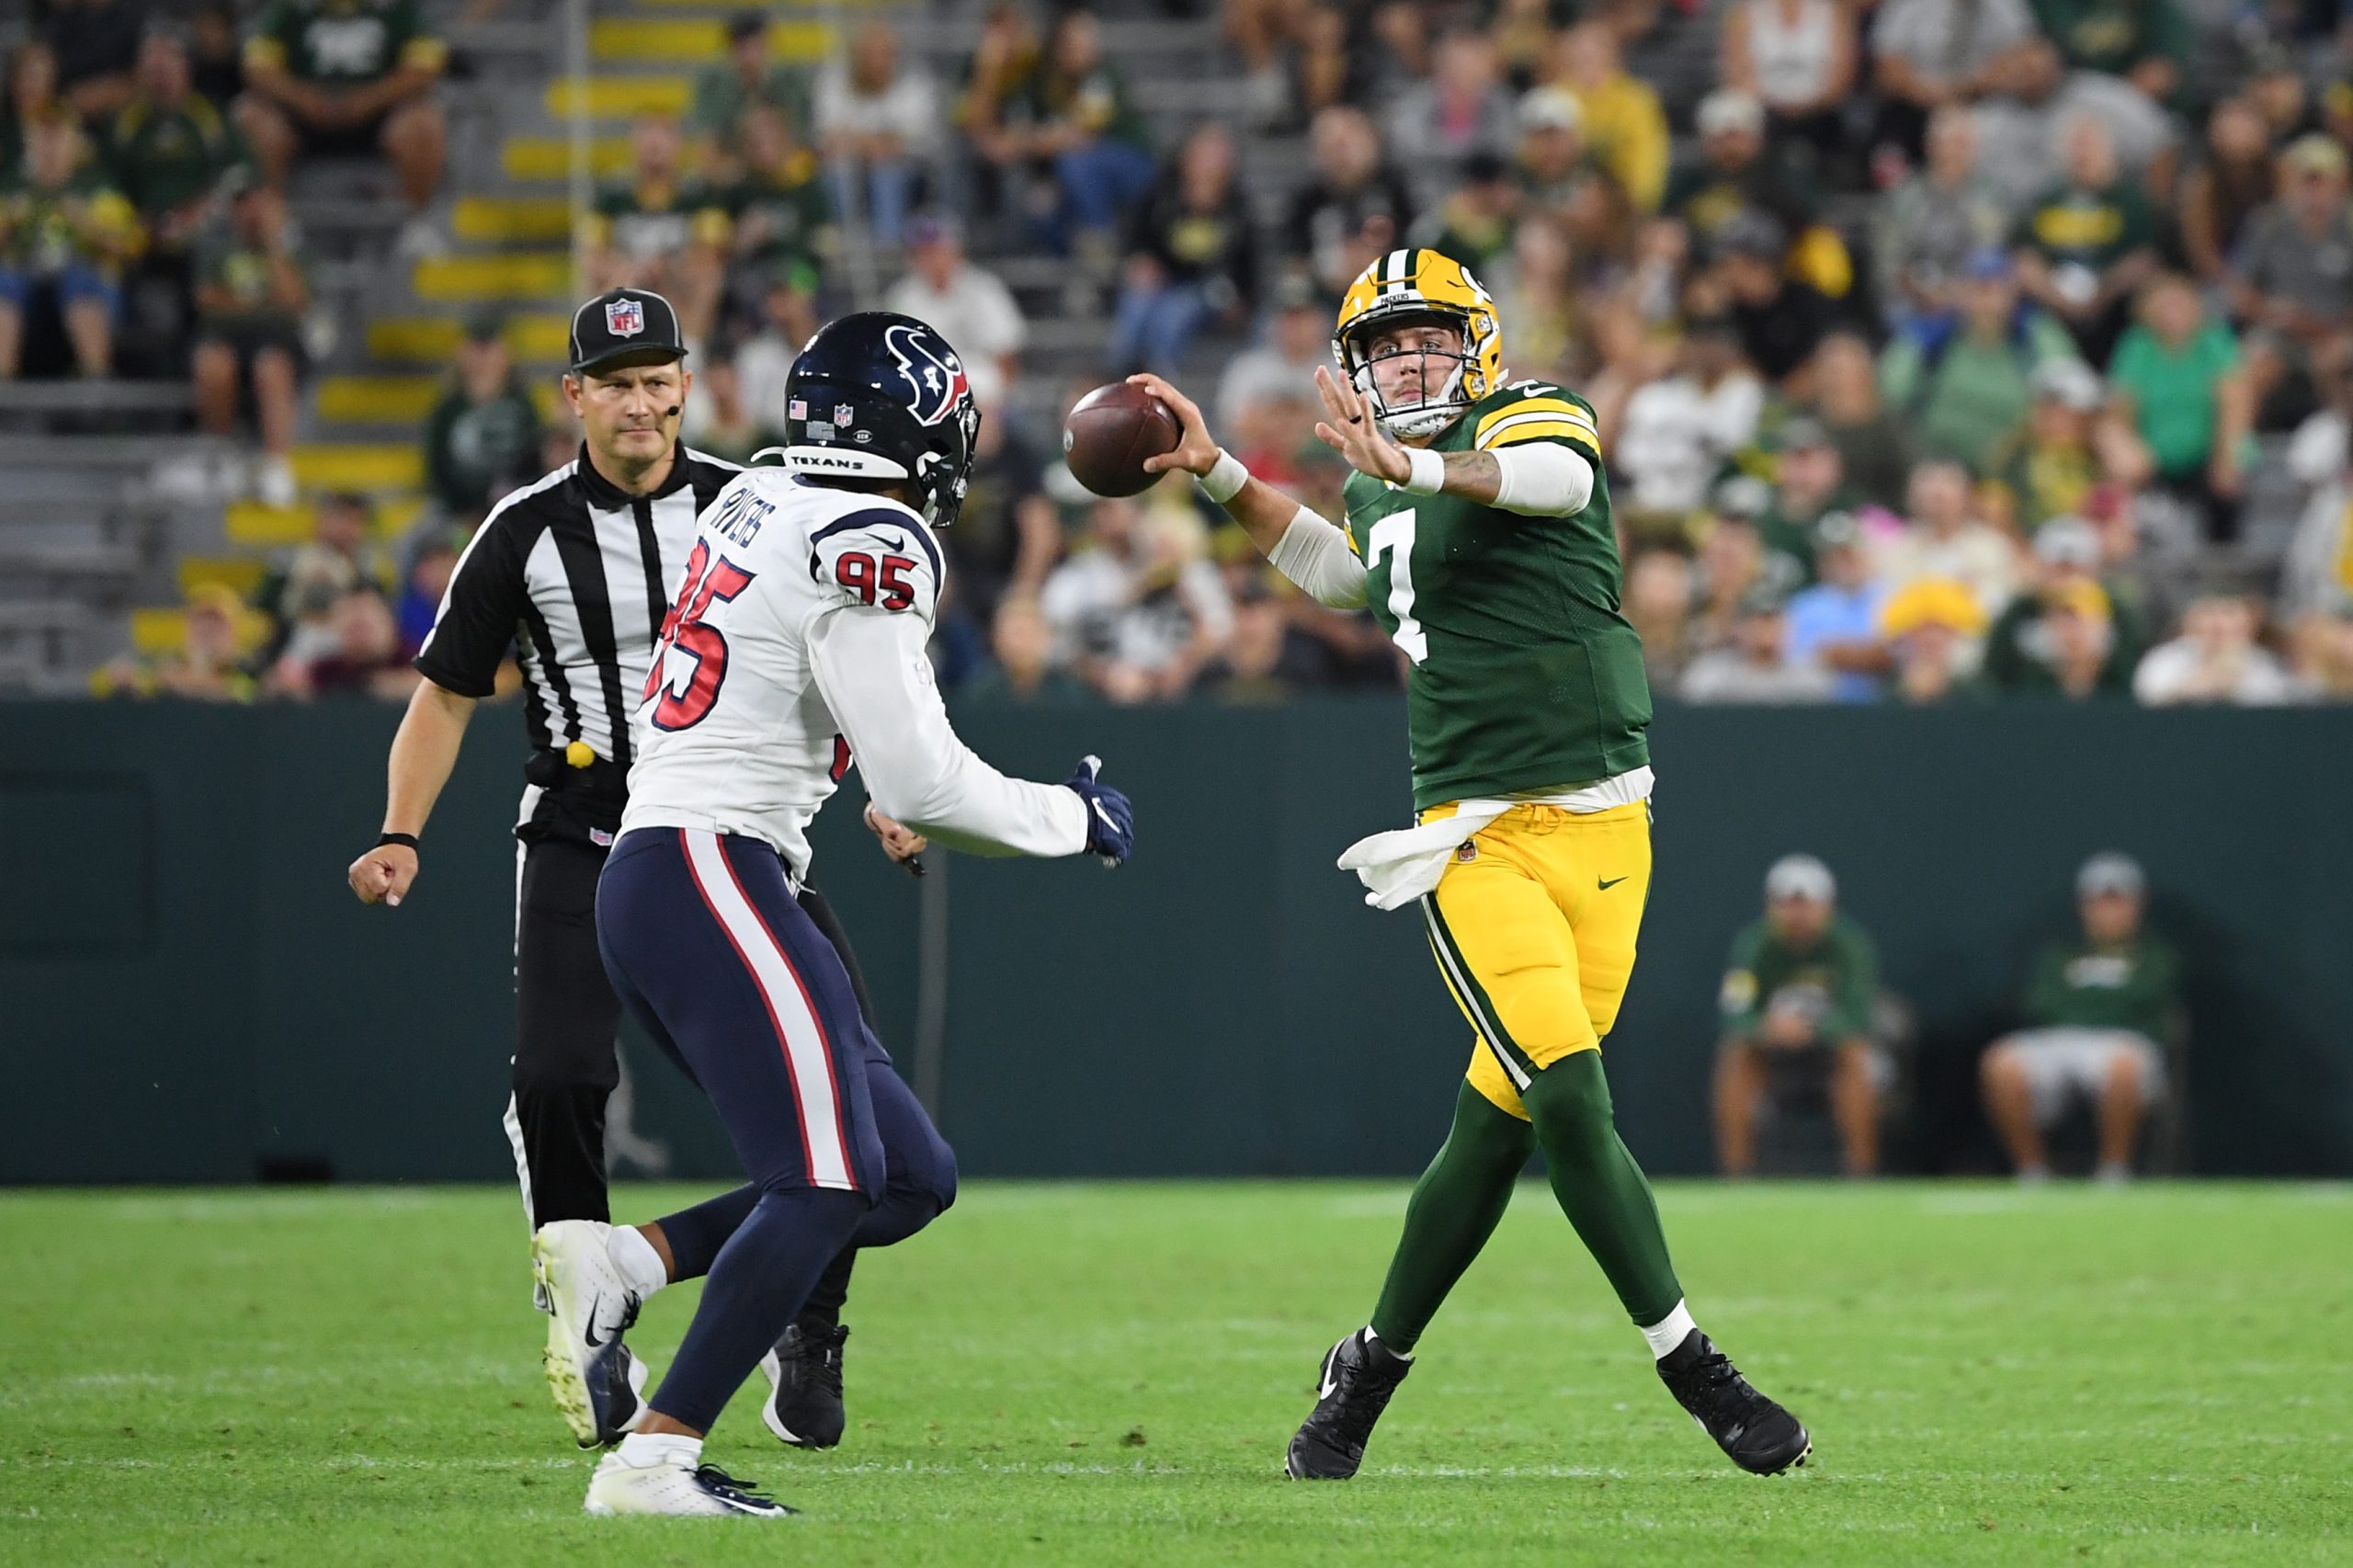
[
  {"x": 591, "y": 1375},
  {"x": 671, "y": 1485}
]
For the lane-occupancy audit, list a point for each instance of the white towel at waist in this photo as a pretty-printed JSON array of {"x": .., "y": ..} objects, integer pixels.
[{"x": 1404, "y": 863}]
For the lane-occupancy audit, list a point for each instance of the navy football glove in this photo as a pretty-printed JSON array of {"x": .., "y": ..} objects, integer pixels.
[{"x": 1110, "y": 821}]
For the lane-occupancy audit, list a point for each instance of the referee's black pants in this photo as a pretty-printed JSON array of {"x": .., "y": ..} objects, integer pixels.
[
  {"x": 566, "y": 1015},
  {"x": 566, "y": 1018}
]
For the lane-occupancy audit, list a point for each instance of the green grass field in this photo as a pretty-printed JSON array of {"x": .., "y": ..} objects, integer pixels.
[{"x": 1106, "y": 1375}]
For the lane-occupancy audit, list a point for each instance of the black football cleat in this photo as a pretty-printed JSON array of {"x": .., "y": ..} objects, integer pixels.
[
  {"x": 624, "y": 1402},
  {"x": 1359, "y": 1375},
  {"x": 805, "y": 1408},
  {"x": 1754, "y": 1433}
]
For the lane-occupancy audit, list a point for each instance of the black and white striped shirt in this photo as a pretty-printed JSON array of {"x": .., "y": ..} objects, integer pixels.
[{"x": 578, "y": 577}]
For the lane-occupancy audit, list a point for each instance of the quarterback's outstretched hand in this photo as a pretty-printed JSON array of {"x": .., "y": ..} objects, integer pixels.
[
  {"x": 1110, "y": 821},
  {"x": 1195, "y": 453},
  {"x": 1352, "y": 432}
]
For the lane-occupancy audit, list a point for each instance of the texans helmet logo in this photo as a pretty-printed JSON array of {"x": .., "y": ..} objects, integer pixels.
[
  {"x": 932, "y": 370},
  {"x": 624, "y": 318}
]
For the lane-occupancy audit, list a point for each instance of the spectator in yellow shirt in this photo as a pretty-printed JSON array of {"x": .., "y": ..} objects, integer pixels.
[{"x": 1624, "y": 128}]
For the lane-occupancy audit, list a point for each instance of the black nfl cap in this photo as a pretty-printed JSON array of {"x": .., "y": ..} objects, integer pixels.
[{"x": 625, "y": 326}]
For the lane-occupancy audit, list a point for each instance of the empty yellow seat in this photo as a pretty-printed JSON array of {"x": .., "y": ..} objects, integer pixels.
[
  {"x": 528, "y": 275},
  {"x": 378, "y": 400},
  {"x": 550, "y": 157},
  {"x": 619, "y": 98},
  {"x": 515, "y": 220}
]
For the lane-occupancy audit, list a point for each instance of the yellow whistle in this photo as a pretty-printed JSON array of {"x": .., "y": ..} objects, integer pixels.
[{"x": 579, "y": 754}]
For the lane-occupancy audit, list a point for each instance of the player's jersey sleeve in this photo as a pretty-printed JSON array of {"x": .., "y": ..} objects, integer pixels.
[
  {"x": 1535, "y": 411},
  {"x": 870, "y": 666},
  {"x": 480, "y": 611},
  {"x": 879, "y": 557}
]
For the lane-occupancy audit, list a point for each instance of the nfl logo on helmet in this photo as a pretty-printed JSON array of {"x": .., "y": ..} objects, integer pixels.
[{"x": 624, "y": 318}]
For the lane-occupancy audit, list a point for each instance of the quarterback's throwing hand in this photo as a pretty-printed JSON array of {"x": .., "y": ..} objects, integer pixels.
[
  {"x": 1350, "y": 430},
  {"x": 1194, "y": 452},
  {"x": 1110, "y": 821}
]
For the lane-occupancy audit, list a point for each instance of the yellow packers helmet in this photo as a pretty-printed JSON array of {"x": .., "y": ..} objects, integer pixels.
[{"x": 1406, "y": 287}]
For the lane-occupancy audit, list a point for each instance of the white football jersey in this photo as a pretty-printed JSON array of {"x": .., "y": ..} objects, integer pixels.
[{"x": 795, "y": 644}]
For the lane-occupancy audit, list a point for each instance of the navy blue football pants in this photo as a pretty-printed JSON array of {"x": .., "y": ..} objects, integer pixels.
[{"x": 705, "y": 945}]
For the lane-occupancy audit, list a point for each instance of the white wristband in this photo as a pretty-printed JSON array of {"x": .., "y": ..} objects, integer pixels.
[
  {"x": 1224, "y": 481},
  {"x": 1428, "y": 471}
]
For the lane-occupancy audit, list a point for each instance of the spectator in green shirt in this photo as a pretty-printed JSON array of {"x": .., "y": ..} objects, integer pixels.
[
  {"x": 2097, "y": 1009},
  {"x": 1796, "y": 1003},
  {"x": 2145, "y": 41},
  {"x": 727, "y": 93},
  {"x": 1809, "y": 482},
  {"x": 483, "y": 436},
  {"x": 2088, "y": 242},
  {"x": 783, "y": 211},
  {"x": 2070, "y": 635},
  {"x": 168, "y": 147},
  {"x": 2177, "y": 381},
  {"x": 660, "y": 229},
  {"x": 346, "y": 78},
  {"x": 1968, "y": 391}
]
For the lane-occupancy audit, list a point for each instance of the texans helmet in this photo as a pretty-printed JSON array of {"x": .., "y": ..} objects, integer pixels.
[{"x": 879, "y": 395}]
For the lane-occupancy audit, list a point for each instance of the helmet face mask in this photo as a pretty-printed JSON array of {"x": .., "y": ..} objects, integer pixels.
[
  {"x": 1420, "y": 288},
  {"x": 1432, "y": 409},
  {"x": 881, "y": 396}
]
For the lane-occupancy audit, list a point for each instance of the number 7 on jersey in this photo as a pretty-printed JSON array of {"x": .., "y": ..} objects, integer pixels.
[{"x": 1395, "y": 534}]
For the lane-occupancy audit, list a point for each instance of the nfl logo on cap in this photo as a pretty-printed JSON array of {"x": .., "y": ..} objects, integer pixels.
[
  {"x": 624, "y": 318},
  {"x": 844, "y": 414}
]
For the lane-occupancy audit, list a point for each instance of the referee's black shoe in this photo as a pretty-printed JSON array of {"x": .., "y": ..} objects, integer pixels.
[
  {"x": 806, "y": 1406},
  {"x": 1359, "y": 1375},
  {"x": 1756, "y": 1434}
]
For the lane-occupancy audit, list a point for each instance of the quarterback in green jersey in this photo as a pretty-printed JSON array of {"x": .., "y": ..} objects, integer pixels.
[{"x": 1478, "y": 532}]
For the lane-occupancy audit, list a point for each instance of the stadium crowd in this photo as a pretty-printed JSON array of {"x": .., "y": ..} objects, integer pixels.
[
  {"x": 1942, "y": 350},
  {"x": 144, "y": 154}
]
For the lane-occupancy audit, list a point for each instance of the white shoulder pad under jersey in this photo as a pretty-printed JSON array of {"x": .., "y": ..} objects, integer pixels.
[{"x": 732, "y": 733}]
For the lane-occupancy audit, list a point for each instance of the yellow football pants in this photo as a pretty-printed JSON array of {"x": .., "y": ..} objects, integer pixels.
[{"x": 1534, "y": 926}]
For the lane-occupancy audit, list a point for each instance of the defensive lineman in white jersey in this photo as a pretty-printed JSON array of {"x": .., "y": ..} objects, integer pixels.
[{"x": 795, "y": 645}]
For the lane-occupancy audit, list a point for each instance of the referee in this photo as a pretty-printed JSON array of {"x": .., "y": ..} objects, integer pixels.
[{"x": 575, "y": 572}]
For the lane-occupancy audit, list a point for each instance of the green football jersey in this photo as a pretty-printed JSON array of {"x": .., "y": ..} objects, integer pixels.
[{"x": 1524, "y": 676}]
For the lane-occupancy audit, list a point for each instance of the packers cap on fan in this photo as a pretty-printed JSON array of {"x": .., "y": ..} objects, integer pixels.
[
  {"x": 624, "y": 326},
  {"x": 1406, "y": 288},
  {"x": 1800, "y": 875}
]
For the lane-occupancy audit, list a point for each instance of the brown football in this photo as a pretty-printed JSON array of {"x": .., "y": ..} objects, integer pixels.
[{"x": 1109, "y": 433}]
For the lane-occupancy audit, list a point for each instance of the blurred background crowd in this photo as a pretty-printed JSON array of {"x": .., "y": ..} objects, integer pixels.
[{"x": 1942, "y": 350}]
